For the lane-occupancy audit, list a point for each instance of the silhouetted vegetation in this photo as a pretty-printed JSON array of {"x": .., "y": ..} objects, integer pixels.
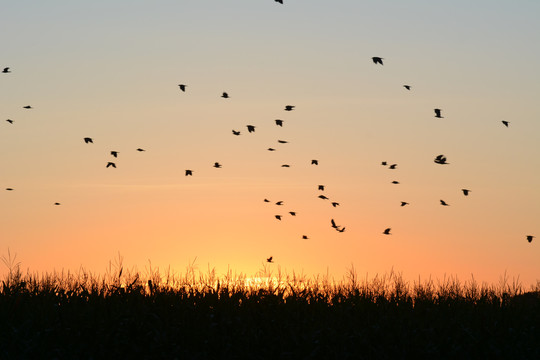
[{"x": 125, "y": 314}]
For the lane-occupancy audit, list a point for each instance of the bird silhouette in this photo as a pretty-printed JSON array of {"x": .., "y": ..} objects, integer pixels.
[
  {"x": 333, "y": 224},
  {"x": 393, "y": 166},
  {"x": 289, "y": 107},
  {"x": 341, "y": 230},
  {"x": 440, "y": 159},
  {"x": 438, "y": 113},
  {"x": 403, "y": 203},
  {"x": 139, "y": 149},
  {"x": 335, "y": 203},
  {"x": 9, "y": 189},
  {"x": 320, "y": 187},
  {"x": 88, "y": 140},
  {"x": 466, "y": 192},
  {"x": 251, "y": 128},
  {"x": 189, "y": 172},
  {"x": 280, "y": 202},
  {"x": 217, "y": 165},
  {"x": 377, "y": 60},
  {"x": 282, "y": 141},
  {"x": 114, "y": 153},
  {"x": 278, "y": 217},
  {"x": 266, "y": 200},
  {"x": 323, "y": 197},
  {"x": 279, "y": 1},
  {"x": 293, "y": 213},
  {"x": 57, "y": 203},
  {"x": 314, "y": 162},
  {"x": 6, "y": 70},
  {"x": 395, "y": 182},
  {"x": 271, "y": 149},
  {"x": 279, "y": 122},
  {"x": 408, "y": 87},
  {"x": 304, "y": 237},
  {"x": 182, "y": 87},
  {"x": 111, "y": 164},
  {"x": 27, "y": 107},
  {"x": 286, "y": 165},
  {"x": 443, "y": 203},
  {"x": 236, "y": 132},
  {"x": 269, "y": 259},
  {"x": 387, "y": 231},
  {"x": 530, "y": 238},
  {"x": 505, "y": 123},
  {"x": 225, "y": 95},
  {"x": 9, "y": 121},
  {"x": 384, "y": 163}
]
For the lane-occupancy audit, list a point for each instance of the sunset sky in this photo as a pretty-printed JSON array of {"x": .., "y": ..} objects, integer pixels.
[{"x": 110, "y": 70}]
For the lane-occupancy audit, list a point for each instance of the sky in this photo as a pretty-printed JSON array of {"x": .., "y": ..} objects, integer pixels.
[{"x": 110, "y": 70}]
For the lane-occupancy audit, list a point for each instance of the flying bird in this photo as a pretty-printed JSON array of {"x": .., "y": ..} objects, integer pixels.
[
  {"x": 384, "y": 163},
  {"x": 271, "y": 149},
  {"x": 408, "y": 87},
  {"x": 341, "y": 230},
  {"x": 334, "y": 204},
  {"x": 280, "y": 202},
  {"x": 323, "y": 197},
  {"x": 189, "y": 172},
  {"x": 282, "y": 141},
  {"x": 403, "y": 203},
  {"x": 505, "y": 123},
  {"x": 387, "y": 231},
  {"x": 393, "y": 166},
  {"x": 465, "y": 191},
  {"x": 333, "y": 223},
  {"x": 314, "y": 162},
  {"x": 438, "y": 113},
  {"x": 27, "y": 107},
  {"x": 304, "y": 237},
  {"x": 6, "y": 70},
  {"x": 440, "y": 159},
  {"x": 266, "y": 200},
  {"x": 114, "y": 153},
  {"x": 377, "y": 60},
  {"x": 289, "y": 107},
  {"x": 225, "y": 95},
  {"x": 395, "y": 182},
  {"x": 88, "y": 140},
  {"x": 236, "y": 132},
  {"x": 269, "y": 259},
  {"x": 530, "y": 238},
  {"x": 443, "y": 203},
  {"x": 320, "y": 187},
  {"x": 57, "y": 203},
  {"x": 217, "y": 165},
  {"x": 285, "y": 165},
  {"x": 279, "y": 122},
  {"x": 182, "y": 87},
  {"x": 278, "y": 217},
  {"x": 111, "y": 164},
  {"x": 9, "y": 189},
  {"x": 293, "y": 213},
  {"x": 251, "y": 128},
  {"x": 139, "y": 149},
  {"x": 279, "y": 1},
  {"x": 9, "y": 121}
]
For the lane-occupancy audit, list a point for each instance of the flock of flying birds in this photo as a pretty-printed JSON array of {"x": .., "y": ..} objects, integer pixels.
[{"x": 439, "y": 159}]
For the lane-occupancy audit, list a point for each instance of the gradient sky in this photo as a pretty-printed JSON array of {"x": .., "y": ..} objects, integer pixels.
[{"x": 110, "y": 70}]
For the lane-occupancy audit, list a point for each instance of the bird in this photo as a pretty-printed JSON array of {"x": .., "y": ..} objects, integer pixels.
[
  {"x": 269, "y": 259},
  {"x": 139, "y": 149},
  {"x": 9, "y": 189},
  {"x": 271, "y": 149},
  {"x": 111, "y": 164},
  {"x": 341, "y": 230},
  {"x": 285, "y": 165},
  {"x": 293, "y": 213},
  {"x": 9, "y": 121},
  {"x": 280, "y": 202},
  {"x": 395, "y": 182},
  {"x": 251, "y": 128},
  {"x": 279, "y": 122},
  {"x": 225, "y": 95},
  {"x": 278, "y": 217},
  {"x": 387, "y": 231},
  {"x": 384, "y": 163},
  {"x": 279, "y": 1},
  {"x": 289, "y": 107},
  {"x": 333, "y": 223},
  {"x": 236, "y": 132},
  {"x": 304, "y": 237},
  {"x": 27, "y": 107},
  {"x": 440, "y": 159},
  {"x": 189, "y": 172},
  {"x": 320, "y": 187},
  {"x": 530, "y": 238},
  {"x": 57, "y": 203},
  {"x": 438, "y": 113},
  {"x": 334, "y": 204},
  {"x": 465, "y": 192},
  {"x": 114, "y": 153},
  {"x": 314, "y": 162},
  {"x": 88, "y": 140},
  {"x": 266, "y": 200},
  {"x": 377, "y": 60},
  {"x": 323, "y": 197},
  {"x": 217, "y": 165},
  {"x": 505, "y": 123},
  {"x": 6, "y": 70},
  {"x": 408, "y": 87},
  {"x": 444, "y": 203},
  {"x": 282, "y": 141},
  {"x": 393, "y": 166},
  {"x": 182, "y": 87},
  {"x": 403, "y": 203}
]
